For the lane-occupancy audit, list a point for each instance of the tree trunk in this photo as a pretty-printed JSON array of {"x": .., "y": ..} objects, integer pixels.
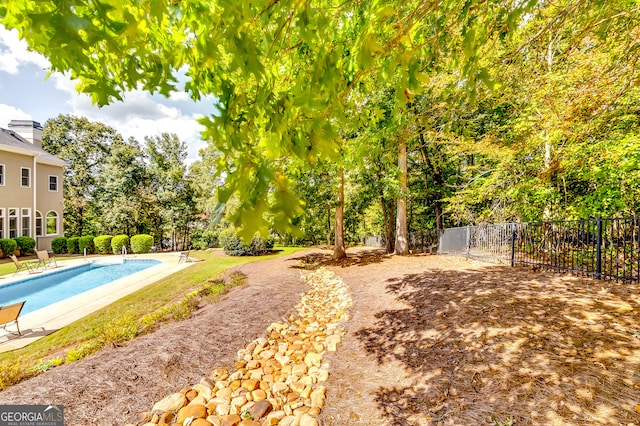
[
  {"x": 388, "y": 225},
  {"x": 329, "y": 224},
  {"x": 547, "y": 168},
  {"x": 402, "y": 244},
  {"x": 546, "y": 133},
  {"x": 338, "y": 248},
  {"x": 438, "y": 181},
  {"x": 387, "y": 213},
  {"x": 80, "y": 228}
]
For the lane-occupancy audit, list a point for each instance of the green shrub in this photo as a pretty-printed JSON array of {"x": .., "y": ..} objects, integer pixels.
[
  {"x": 11, "y": 372},
  {"x": 141, "y": 243},
  {"x": 202, "y": 239},
  {"x": 73, "y": 246},
  {"x": 261, "y": 245},
  {"x": 121, "y": 329},
  {"x": 7, "y": 246},
  {"x": 82, "y": 350},
  {"x": 86, "y": 242},
  {"x": 231, "y": 243},
  {"x": 234, "y": 246},
  {"x": 26, "y": 245},
  {"x": 59, "y": 245},
  {"x": 118, "y": 242},
  {"x": 102, "y": 244},
  {"x": 45, "y": 364}
]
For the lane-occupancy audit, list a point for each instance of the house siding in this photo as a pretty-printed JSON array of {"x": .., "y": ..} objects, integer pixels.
[
  {"x": 12, "y": 194},
  {"x": 48, "y": 201},
  {"x": 16, "y": 153}
]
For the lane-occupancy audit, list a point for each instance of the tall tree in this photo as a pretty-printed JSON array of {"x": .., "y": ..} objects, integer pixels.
[
  {"x": 202, "y": 173},
  {"x": 339, "y": 251},
  {"x": 172, "y": 188},
  {"x": 85, "y": 146},
  {"x": 121, "y": 200},
  {"x": 546, "y": 141},
  {"x": 402, "y": 237},
  {"x": 316, "y": 188}
]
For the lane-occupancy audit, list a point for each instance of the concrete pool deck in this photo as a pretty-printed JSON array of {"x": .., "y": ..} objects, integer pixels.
[{"x": 49, "y": 319}]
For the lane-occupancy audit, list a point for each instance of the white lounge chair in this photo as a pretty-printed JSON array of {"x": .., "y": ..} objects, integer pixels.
[
  {"x": 45, "y": 260},
  {"x": 9, "y": 314},
  {"x": 30, "y": 266},
  {"x": 184, "y": 257}
]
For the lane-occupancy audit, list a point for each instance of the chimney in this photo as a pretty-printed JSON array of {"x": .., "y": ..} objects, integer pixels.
[{"x": 29, "y": 130}]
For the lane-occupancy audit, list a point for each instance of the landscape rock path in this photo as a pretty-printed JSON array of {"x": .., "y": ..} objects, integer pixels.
[{"x": 278, "y": 377}]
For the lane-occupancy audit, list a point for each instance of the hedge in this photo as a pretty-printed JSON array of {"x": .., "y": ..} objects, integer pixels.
[
  {"x": 86, "y": 242},
  {"x": 8, "y": 246},
  {"x": 103, "y": 244},
  {"x": 141, "y": 243},
  {"x": 59, "y": 245},
  {"x": 26, "y": 245},
  {"x": 118, "y": 242},
  {"x": 73, "y": 245},
  {"x": 234, "y": 246}
]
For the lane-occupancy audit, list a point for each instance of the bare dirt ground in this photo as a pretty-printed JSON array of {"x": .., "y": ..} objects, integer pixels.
[{"x": 430, "y": 340}]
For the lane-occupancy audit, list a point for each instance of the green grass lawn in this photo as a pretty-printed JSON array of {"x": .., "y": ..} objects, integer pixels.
[
  {"x": 9, "y": 268},
  {"x": 167, "y": 292}
]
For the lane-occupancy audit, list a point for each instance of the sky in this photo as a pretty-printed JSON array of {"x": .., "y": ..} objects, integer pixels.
[{"x": 27, "y": 93}]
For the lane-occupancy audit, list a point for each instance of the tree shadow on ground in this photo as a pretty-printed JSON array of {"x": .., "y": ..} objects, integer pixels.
[
  {"x": 359, "y": 258},
  {"x": 507, "y": 346}
]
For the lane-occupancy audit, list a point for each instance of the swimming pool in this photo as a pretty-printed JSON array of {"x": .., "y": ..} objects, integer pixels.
[{"x": 51, "y": 287}]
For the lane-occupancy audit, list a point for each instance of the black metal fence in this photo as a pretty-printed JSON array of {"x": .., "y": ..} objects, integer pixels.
[
  {"x": 420, "y": 241},
  {"x": 601, "y": 248},
  {"x": 423, "y": 241}
]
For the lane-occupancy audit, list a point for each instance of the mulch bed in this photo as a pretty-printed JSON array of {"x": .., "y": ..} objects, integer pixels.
[
  {"x": 430, "y": 340},
  {"x": 441, "y": 340}
]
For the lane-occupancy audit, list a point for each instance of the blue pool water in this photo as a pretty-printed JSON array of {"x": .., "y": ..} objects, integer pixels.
[{"x": 50, "y": 287}]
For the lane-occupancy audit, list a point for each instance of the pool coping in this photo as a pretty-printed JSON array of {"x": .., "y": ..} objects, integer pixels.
[{"x": 49, "y": 319}]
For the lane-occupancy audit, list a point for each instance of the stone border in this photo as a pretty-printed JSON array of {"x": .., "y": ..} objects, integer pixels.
[{"x": 277, "y": 377}]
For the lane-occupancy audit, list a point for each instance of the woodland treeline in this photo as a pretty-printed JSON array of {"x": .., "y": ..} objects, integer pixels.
[
  {"x": 116, "y": 186},
  {"x": 337, "y": 119}
]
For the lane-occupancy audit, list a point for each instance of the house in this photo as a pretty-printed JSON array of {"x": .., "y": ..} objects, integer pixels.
[{"x": 31, "y": 201}]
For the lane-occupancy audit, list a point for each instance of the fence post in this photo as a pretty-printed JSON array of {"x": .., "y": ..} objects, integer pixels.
[
  {"x": 513, "y": 245},
  {"x": 599, "y": 250},
  {"x": 468, "y": 241}
]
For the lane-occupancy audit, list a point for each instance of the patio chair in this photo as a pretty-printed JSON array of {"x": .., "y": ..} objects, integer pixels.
[
  {"x": 9, "y": 314},
  {"x": 184, "y": 257},
  {"x": 30, "y": 266},
  {"x": 45, "y": 260}
]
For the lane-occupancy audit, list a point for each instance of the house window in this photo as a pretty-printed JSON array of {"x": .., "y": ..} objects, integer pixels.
[
  {"x": 52, "y": 223},
  {"x": 53, "y": 183},
  {"x": 1, "y": 174},
  {"x": 1, "y": 223},
  {"x": 25, "y": 218},
  {"x": 38, "y": 224},
  {"x": 13, "y": 223},
  {"x": 25, "y": 177}
]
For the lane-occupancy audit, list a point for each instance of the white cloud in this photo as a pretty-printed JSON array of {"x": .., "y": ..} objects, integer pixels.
[
  {"x": 14, "y": 53},
  {"x": 138, "y": 115},
  {"x": 8, "y": 113},
  {"x": 179, "y": 96}
]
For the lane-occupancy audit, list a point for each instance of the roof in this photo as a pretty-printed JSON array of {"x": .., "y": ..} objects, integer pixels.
[{"x": 12, "y": 142}]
